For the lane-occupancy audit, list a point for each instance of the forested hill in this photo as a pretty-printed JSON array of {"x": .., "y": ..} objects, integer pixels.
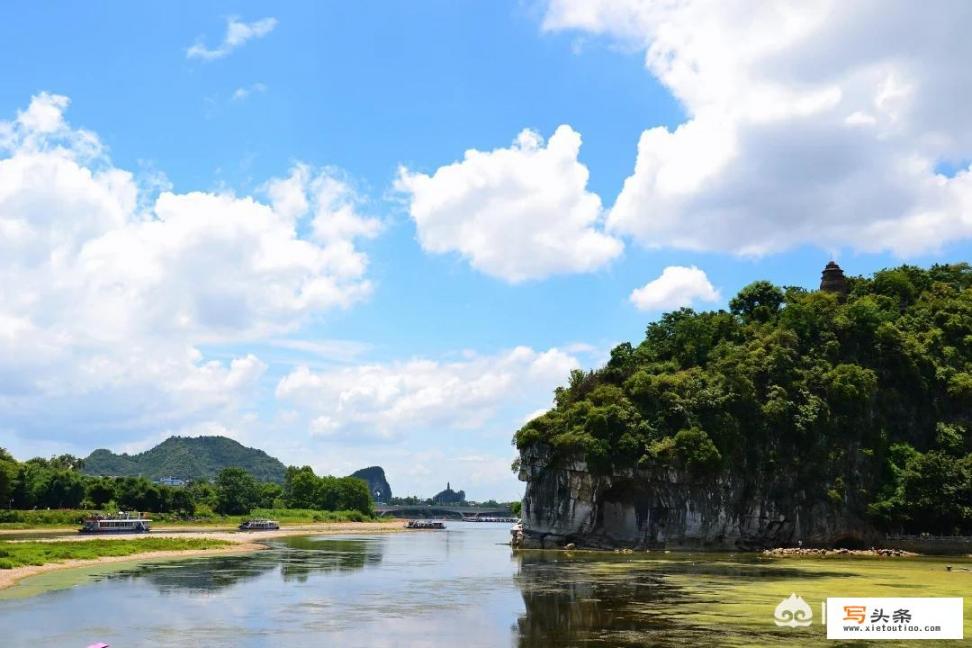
[
  {"x": 859, "y": 402},
  {"x": 187, "y": 458}
]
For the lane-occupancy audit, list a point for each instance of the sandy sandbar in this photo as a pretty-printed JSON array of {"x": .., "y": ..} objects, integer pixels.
[{"x": 242, "y": 542}]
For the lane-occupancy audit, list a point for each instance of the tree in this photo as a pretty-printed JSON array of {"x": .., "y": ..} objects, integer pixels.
[
  {"x": 757, "y": 302},
  {"x": 100, "y": 490},
  {"x": 66, "y": 462},
  {"x": 236, "y": 491},
  {"x": 354, "y": 496},
  {"x": 64, "y": 489},
  {"x": 937, "y": 492},
  {"x": 8, "y": 474},
  {"x": 270, "y": 493},
  {"x": 301, "y": 488},
  {"x": 203, "y": 494},
  {"x": 139, "y": 494},
  {"x": 181, "y": 502},
  {"x": 691, "y": 449}
]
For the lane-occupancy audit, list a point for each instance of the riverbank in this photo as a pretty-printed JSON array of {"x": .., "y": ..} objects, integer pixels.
[
  {"x": 231, "y": 542},
  {"x": 10, "y": 577},
  {"x": 187, "y": 530}
]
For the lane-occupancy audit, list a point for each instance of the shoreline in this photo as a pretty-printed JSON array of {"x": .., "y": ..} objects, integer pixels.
[
  {"x": 242, "y": 542},
  {"x": 229, "y": 534},
  {"x": 10, "y": 577}
]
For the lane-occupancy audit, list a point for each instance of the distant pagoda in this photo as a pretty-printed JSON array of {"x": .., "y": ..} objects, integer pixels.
[
  {"x": 833, "y": 280},
  {"x": 449, "y": 496}
]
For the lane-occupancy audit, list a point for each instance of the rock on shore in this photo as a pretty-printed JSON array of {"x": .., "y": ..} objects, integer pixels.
[{"x": 788, "y": 552}]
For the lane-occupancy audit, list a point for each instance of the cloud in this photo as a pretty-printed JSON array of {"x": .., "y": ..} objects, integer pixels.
[
  {"x": 110, "y": 287},
  {"x": 425, "y": 421},
  {"x": 237, "y": 34},
  {"x": 817, "y": 122},
  {"x": 386, "y": 401},
  {"x": 515, "y": 213},
  {"x": 676, "y": 287},
  {"x": 243, "y": 92},
  {"x": 333, "y": 350}
]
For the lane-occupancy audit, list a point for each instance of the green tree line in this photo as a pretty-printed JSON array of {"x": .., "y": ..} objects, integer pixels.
[
  {"x": 860, "y": 402},
  {"x": 58, "y": 483}
]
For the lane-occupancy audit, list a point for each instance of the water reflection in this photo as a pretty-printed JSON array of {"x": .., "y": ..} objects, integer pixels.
[
  {"x": 294, "y": 559},
  {"x": 585, "y": 599},
  {"x": 569, "y": 603},
  {"x": 463, "y": 587}
]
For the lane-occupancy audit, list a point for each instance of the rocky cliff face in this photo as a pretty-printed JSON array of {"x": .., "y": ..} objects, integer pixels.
[
  {"x": 378, "y": 485},
  {"x": 567, "y": 503}
]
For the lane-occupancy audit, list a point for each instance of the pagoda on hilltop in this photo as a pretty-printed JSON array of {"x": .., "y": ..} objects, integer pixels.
[
  {"x": 449, "y": 496},
  {"x": 833, "y": 280}
]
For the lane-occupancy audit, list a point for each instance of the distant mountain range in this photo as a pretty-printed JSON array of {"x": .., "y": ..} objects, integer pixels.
[{"x": 187, "y": 458}]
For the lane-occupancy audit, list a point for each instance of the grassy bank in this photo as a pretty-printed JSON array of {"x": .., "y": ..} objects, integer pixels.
[
  {"x": 15, "y": 520},
  {"x": 306, "y": 516},
  {"x": 20, "y": 554}
]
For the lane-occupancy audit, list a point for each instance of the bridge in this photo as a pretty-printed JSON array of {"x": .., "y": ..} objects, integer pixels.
[{"x": 438, "y": 510}]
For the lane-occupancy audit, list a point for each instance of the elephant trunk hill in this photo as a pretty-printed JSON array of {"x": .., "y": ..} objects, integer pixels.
[{"x": 837, "y": 417}]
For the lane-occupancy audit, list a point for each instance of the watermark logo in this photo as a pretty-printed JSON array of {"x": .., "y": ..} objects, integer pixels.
[
  {"x": 794, "y": 612},
  {"x": 894, "y": 618}
]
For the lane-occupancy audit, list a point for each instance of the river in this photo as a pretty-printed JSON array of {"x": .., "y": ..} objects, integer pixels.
[{"x": 460, "y": 587}]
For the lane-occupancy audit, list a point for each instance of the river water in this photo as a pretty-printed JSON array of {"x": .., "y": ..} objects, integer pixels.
[{"x": 459, "y": 587}]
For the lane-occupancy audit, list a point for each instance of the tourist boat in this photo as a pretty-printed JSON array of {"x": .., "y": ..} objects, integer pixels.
[
  {"x": 424, "y": 524},
  {"x": 259, "y": 525},
  {"x": 122, "y": 522}
]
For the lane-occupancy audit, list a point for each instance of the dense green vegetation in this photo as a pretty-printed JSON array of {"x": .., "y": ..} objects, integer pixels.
[
  {"x": 299, "y": 516},
  {"x": 18, "y": 554},
  {"x": 862, "y": 402},
  {"x": 59, "y": 483},
  {"x": 14, "y": 519},
  {"x": 191, "y": 458},
  {"x": 303, "y": 489}
]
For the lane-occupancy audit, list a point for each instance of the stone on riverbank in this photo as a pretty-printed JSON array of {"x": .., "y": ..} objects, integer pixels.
[{"x": 789, "y": 552}]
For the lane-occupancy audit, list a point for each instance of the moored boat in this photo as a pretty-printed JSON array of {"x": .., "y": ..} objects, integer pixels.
[
  {"x": 424, "y": 524},
  {"x": 259, "y": 525},
  {"x": 121, "y": 522}
]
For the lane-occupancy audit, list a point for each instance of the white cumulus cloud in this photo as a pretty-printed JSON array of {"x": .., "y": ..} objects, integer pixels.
[
  {"x": 676, "y": 287},
  {"x": 384, "y": 401},
  {"x": 109, "y": 287},
  {"x": 516, "y": 213},
  {"x": 818, "y": 122},
  {"x": 237, "y": 34}
]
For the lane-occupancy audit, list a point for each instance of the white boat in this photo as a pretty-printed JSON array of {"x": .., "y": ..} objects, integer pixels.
[
  {"x": 259, "y": 525},
  {"x": 424, "y": 524},
  {"x": 122, "y": 522}
]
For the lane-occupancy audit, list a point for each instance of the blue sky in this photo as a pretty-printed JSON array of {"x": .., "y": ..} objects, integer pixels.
[{"x": 460, "y": 297}]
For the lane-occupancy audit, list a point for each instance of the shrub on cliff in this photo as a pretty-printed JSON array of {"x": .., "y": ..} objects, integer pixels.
[
  {"x": 860, "y": 402},
  {"x": 691, "y": 449}
]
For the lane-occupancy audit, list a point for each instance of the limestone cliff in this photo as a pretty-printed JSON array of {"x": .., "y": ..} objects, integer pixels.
[
  {"x": 378, "y": 485},
  {"x": 644, "y": 509},
  {"x": 840, "y": 416}
]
